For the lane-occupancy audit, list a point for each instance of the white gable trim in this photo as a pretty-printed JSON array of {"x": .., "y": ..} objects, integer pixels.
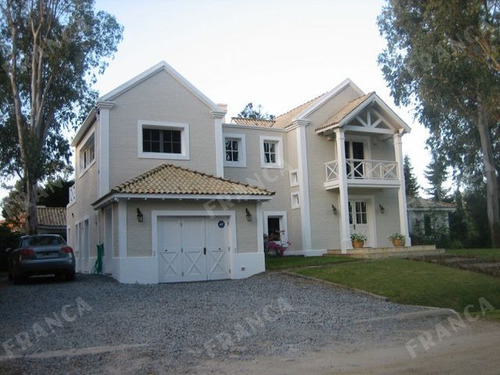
[
  {"x": 152, "y": 71},
  {"x": 347, "y": 82}
]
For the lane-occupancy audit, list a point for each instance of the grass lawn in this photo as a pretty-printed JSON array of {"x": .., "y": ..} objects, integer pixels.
[
  {"x": 281, "y": 263},
  {"x": 488, "y": 254},
  {"x": 416, "y": 283}
]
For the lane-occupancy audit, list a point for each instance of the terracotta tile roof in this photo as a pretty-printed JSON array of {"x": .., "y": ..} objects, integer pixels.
[
  {"x": 344, "y": 112},
  {"x": 285, "y": 119},
  {"x": 421, "y": 203},
  {"x": 252, "y": 122},
  {"x": 51, "y": 216},
  {"x": 171, "y": 179}
]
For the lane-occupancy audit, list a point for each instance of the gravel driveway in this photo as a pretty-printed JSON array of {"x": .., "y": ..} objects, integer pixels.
[{"x": 96, "y": 325}]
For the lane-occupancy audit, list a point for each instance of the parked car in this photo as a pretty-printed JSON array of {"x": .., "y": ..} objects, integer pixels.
[{"x": 41, "y": 254}]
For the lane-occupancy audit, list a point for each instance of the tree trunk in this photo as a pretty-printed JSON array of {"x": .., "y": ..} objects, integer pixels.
[
  {"x": 492, "y": 199},
  {"x": 30, "y": 206}
]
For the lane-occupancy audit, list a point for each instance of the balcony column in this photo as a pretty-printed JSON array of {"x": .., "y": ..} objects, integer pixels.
[
  {"x": 403, "y": 212},
  {"x": 345, "y": 235}
]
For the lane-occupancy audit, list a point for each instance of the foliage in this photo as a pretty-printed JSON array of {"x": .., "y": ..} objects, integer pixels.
[
  {"x": 274, "y": 244},
  {"x": 397, "y": 236},
  {"x": 437, "y": 174},
  {"x": 411, "y": 184},
  {"x": 8, "y": 239},
  {"x": 442, "y": 58},
  {"x": 358, "y": 237},
  {"x": 55, "y": 193},
  {"x": 414, "y": 283},
  {"x": 255, "y": 113},
  {"x": 434, "y": 232},
  {"x": 51, "y": 52}
]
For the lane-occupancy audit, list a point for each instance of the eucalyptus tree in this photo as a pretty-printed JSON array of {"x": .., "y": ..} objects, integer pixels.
[
  {"x": 442, "y": 58},
  {"x": 51, "y": 52}
]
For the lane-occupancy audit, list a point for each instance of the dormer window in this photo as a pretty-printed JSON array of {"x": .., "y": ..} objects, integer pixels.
[{"x": 163, "y": 140}]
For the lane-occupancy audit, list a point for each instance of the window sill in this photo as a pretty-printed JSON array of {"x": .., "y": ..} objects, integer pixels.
[
  {"x": 159, "y": 155},
  {"x": 86, "y": 169}
]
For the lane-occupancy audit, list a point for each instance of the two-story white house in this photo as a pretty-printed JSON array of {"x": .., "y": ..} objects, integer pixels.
[{"x": 175, "y": 192}]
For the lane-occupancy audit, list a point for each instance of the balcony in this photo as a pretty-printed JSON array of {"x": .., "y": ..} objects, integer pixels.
[
  {"x": 363, "y": 173},
  {"x": 72, "y": 194}
]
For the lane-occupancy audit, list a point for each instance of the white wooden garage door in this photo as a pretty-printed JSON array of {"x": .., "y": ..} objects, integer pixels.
[{"x": 193, "y": 248}]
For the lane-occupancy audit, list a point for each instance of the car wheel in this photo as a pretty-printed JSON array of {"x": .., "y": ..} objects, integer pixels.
[
  {"x": 10, "y": 276},
  {"x": 70, "y": 276}
]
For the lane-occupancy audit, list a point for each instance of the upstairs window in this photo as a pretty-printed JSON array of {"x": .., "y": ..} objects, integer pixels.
[
  {"x": 234, "y": 150},
  {"x": 163, "y": 140},
  {"x": 87, "y": 154},
  {"x": 271, "y": 149}
]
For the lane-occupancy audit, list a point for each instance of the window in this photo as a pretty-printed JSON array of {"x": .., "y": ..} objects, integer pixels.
[
  {"x": 295, "y": 200},
  {"x": 87, "y": 154},
  {"x": 294, "y": 178},
  {"x": 276, "y": 226},
  {"x": 234, "y": 150},
  {"x": 163, "y": 140},
  {"x": 271, "y": 152}
]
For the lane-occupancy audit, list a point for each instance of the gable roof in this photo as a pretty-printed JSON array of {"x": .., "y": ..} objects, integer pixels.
[
  {"x": 354, "y": 107},
  {"x": 51, "y": 216},
  {"x": 421, "y": 204},
  {"x": 161, "y": 66},
  {"x": 304, "y": 110},
  {"x": 347, "y": 110},
  {"x": 170, "y": 180}
]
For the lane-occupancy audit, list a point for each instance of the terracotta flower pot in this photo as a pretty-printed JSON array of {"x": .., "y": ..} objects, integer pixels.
[
  {"x": 397, "y": 242},
  {"x": 358, "y": 244}
]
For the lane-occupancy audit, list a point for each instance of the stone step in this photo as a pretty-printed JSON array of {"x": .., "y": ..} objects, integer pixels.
[{"x": 389, "y": 252}]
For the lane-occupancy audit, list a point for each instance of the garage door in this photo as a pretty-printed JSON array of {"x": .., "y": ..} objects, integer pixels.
[{"x": 193, "y": 248}]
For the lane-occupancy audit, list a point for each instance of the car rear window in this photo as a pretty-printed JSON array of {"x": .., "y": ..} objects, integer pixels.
[{"x": 42, "y": 241}]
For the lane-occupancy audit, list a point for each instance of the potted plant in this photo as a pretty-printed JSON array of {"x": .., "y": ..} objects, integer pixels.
[
  {"x": 397, "y": 239},
  {"x": 358, "y": 240}
]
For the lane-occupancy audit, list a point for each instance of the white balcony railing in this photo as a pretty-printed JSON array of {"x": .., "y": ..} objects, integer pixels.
[{"x": 362, "y": 169}]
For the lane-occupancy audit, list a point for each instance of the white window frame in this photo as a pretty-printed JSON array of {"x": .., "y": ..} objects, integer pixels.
[
  {"x": 295, "y": 199},
  {"x": 182, "y": 127},
  {"x": 279, "y": 151},
  {"x": 294, "y": 178},
  {"x": 242, "y": 162},
  {"x": 282, "y": 215},
  {"x": 81, "y": 154}
]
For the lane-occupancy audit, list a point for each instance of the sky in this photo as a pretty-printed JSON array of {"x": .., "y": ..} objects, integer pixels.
[{"x": 276, "y": 53}]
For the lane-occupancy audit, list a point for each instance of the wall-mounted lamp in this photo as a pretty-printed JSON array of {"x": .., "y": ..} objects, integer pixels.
[
  {"x": 382, "y": 208},
  {"x": 140, "y": 216},
  {"x": 248, "y": 215},
  {"x": 334, "y": 209}
]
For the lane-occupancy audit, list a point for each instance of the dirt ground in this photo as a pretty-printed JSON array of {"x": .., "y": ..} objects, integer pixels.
[{"x": 469, "y": 350}]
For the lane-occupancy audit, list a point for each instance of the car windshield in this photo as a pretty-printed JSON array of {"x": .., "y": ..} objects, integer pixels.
[{"x": 42, "y": 241}]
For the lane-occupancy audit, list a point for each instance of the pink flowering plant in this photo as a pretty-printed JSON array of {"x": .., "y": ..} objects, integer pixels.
[{"x": 274, "y": 245}]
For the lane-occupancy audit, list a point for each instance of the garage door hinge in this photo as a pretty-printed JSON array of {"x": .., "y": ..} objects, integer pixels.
[
  {"x": 182, "y": 250},
  {"x": 230, "y": 270},
  {"x": 183, "y": 274}
]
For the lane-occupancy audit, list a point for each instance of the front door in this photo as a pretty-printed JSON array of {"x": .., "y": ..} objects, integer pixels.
[{"x": 358, "y": 217}]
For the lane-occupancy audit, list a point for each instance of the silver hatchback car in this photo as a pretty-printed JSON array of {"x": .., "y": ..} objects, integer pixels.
[{"x": 41, "y": 254}]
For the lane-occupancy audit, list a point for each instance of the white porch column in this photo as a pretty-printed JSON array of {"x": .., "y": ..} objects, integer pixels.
[
  {"x": 102, "y": 147},
  {"x": 219, "y": 142},
  {"x": 403, "y": 212},
  {"x": 345, "y": 236},
  {"x": 122, "y": 228}
]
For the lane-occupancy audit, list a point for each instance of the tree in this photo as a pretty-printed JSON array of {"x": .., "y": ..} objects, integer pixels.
[
  {"x": 411, "y": 183},
  {"x": 254, "y": 113},
  {"x": 442, "y": 57},
  {"x": 51, "y": 52},
  {"x": 437, "y": 174}
]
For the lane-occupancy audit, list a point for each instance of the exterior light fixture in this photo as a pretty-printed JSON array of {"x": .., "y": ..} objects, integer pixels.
[
  {"x": 382, "y": 209},
  {"x": 140, "y": 216},
  {"x": 334, "y": 209},
  {"x": 248, "y": 215}
]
